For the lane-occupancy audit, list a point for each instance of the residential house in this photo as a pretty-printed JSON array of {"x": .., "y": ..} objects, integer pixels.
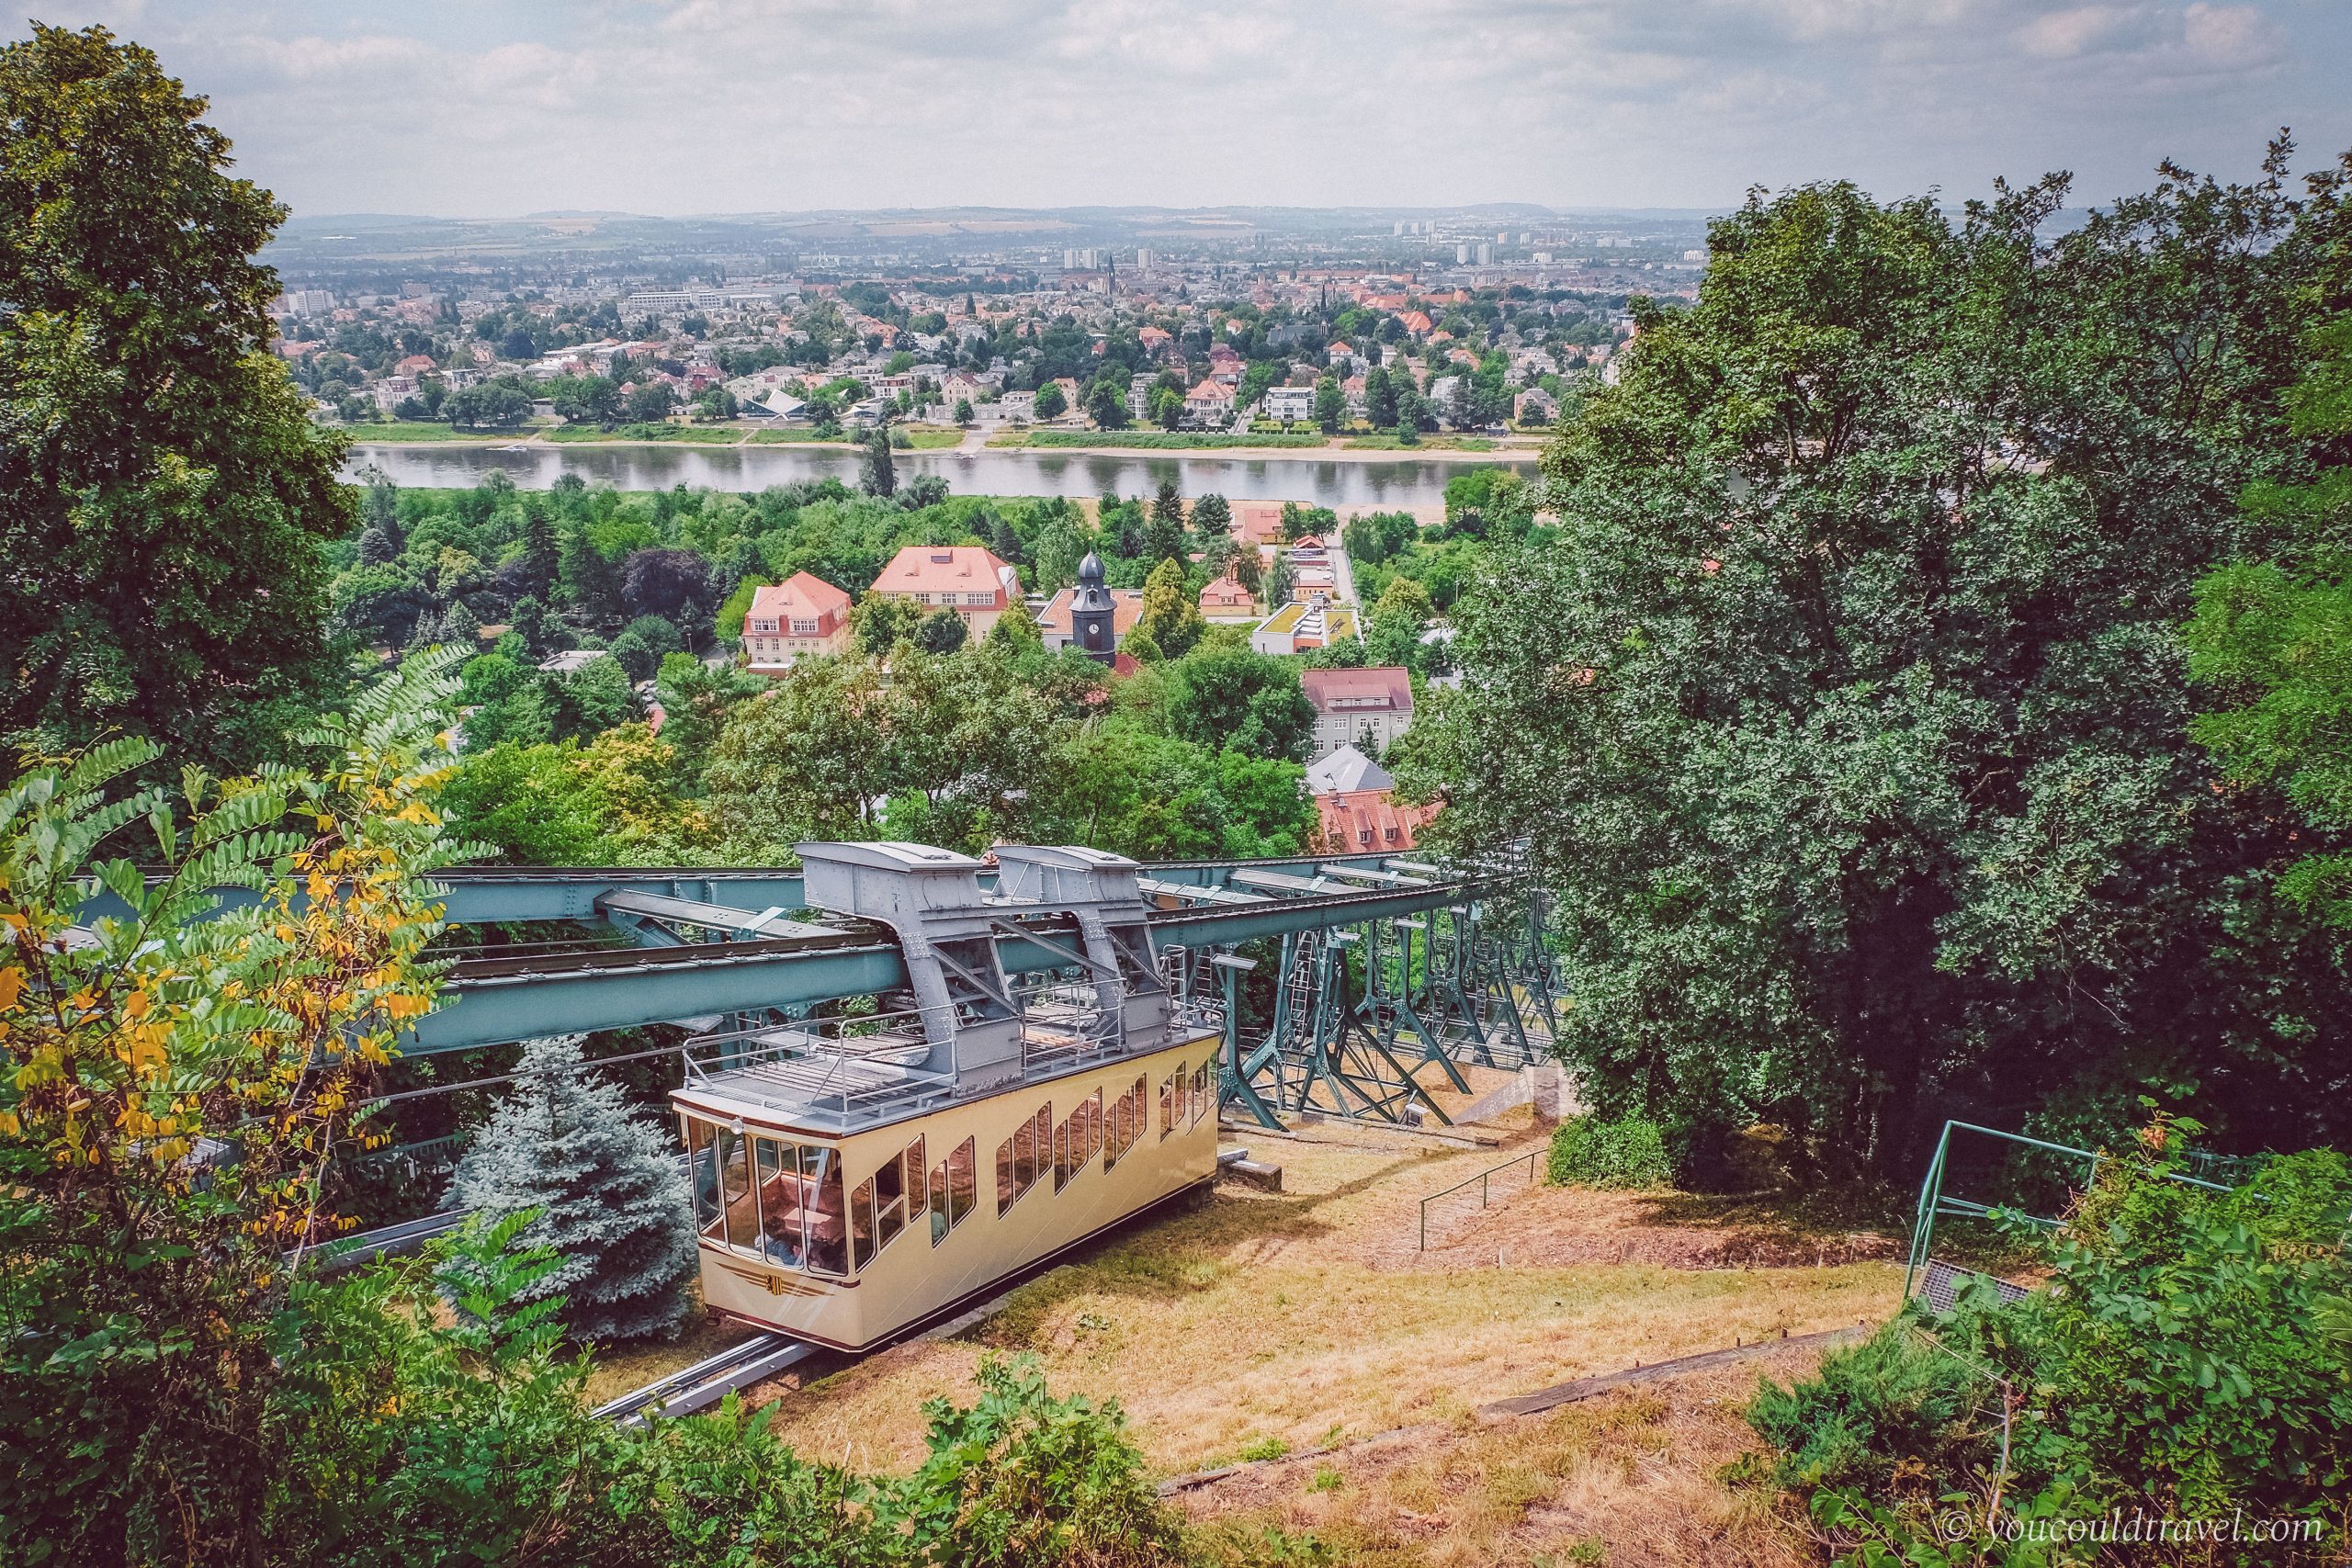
[
  {"x": 1211, "y": 402},
  {"x": 1353, "y": 705},
  {"x": 800, "y": 617},
  {"x": 1417, "y": 321},
  {"x": 1289, "y": 404},
  {"x": 966, "y": 579},
  {"x": 1535, "y": 406},
  {"x": 1258, "y": 522},
  {"x": 1357, "y": 821},
  {"x": 1228, "y": 600}
]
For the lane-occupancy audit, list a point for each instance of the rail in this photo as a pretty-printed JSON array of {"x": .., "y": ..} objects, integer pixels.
[
  {"x": 1485, "y": 1190},
  {"x": 707, "y": 1382}
]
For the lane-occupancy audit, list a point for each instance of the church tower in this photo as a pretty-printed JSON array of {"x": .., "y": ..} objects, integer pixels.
[{"x": 1091, "y": 612}]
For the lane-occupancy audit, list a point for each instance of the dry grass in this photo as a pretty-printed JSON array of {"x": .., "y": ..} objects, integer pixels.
[
  {"x": 1292, "y": 1317},
  {"x": 626, "y": 1367},
  {"x": 1628, "y": 1479}
]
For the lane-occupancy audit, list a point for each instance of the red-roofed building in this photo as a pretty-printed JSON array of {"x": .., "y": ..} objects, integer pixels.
[
  {"x": 415, "y": 365},
  {"x": 1355, "y": 822},
  {"x": 1228, "y": 600},
  {"x": 963, "y": 577},
  {"x": 1350, "y": 705},
  {"x": 802, "y": 616},
  {"x": 1258, "y": 522},
  {"x": 1416, "y": 321},
  {"x": 1054, "y": 621},
  {"x": 1212, "y": 399}
]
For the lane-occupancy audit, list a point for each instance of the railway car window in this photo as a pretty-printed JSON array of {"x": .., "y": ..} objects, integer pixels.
[
  {"x": 782, "y": 1202},
  {"x": 861, "y": 1224},
  {"x": 897, "y": 1195},
  {"x": 1028, "y": 1153},
  {"x": 1004, "y": 1172},
  {"x": 1024, "y": 1158},
  {"x": 1061, "y": 1150},
  {"x": 1093, "y": 1107},
  {"x": 1200, "y": 1093},
  {"x": 1171, "y": 1089},
  {"x": 940, "y": 1209},
  {"x": 821, "y": 1171},
  {"x": 702, "y": 1175},
  {"x": 963, "y": 1190},
  {"x": 743, "y": 1202}
]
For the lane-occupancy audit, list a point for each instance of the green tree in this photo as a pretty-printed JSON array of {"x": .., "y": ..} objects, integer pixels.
[
  {"x": 881, "y": 475},
  {"x": 800, "y": 761},
  {"x": 1236, "y": 698},
  {"x": 1330, "y": 405},
  {"x": 1171, "y": 614},
  {"x": 941, "y": 631},
  {"x": 1380, "y": 399},
  {"x": 149, "y": 1306},
  {"x": 1106, "y": 405},
  {"x": 599, "y": 1188},
  {"x": 2273, "y": 638},
  {"x": 162, "y": 513},
  {"x": 1050, "y": 404},
  {"x": 1857, "y": 758},
  {"x": 1212, "y": 516},
  {"x": 1167, "y": 408}
]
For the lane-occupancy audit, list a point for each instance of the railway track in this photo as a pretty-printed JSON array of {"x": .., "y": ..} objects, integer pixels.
[{"x": 708, "y": 1381}]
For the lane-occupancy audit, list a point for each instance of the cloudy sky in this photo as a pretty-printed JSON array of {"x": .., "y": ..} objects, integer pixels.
[{"x": 491, "y": 107}]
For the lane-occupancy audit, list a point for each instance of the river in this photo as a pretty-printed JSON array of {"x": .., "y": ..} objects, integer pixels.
[{"x": 1402, "y": 482}]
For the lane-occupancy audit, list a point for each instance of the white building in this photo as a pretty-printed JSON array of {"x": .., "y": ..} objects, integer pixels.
[{"x": 1289, "y": 404}]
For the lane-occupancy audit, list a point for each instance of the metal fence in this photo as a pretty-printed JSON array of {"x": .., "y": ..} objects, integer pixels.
[{"x": 1485, "y": 1182}]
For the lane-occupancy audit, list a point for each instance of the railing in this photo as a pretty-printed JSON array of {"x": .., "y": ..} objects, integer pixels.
[
  {"x": 1485, "y": 1179},
  {"x": 857, "y": 1065}
]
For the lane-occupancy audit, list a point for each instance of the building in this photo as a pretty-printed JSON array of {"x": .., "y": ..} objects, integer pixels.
[
  {"x": 800, "y": 617},
  {"x": 1355, "y": 805},
  {"x": 1296, "y": 627},
  {"x": 1228, "y": 600},
  {"x": 963, "y": 577},
  {"x": 1211, "y": 402},
  {"x": 1353, "y": 822},
  {"x": 1290, "y": 405},
  {"x": 1090, "y": 616},
  {"x": 1353, "y": 707}
]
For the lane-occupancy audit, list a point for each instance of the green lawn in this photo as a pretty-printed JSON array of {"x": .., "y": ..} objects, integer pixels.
[
  {"x": 930, "y": 437},
  {"x": 704, "y": 434},
  {"x": 1149, "y": 440},
  {"x": 794, "y": 438},
  {"x": 421, "y": 430},
  {"x": 1426, "y": 444}
]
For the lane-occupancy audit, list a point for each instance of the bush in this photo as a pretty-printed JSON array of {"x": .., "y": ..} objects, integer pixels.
[
  {"x": 1590, "y": 1152},
  {"x": 1886, "y": 1406}
]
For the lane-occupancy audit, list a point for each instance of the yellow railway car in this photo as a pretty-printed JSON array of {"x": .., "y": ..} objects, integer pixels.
[{"x": 858, "y": 1176}]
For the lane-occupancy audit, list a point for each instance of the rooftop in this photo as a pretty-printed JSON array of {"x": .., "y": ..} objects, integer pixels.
[
  {"x": 803, "y": 595},
  {"x": 933, "y": 569},
  {"x": 1386, "y": 686}
]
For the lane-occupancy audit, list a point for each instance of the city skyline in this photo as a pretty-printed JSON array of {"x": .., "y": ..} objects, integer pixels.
[{"x": 707, "y": 107}]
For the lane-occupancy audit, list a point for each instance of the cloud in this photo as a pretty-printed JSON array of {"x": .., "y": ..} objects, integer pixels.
[{"x": 683, "y": 106}]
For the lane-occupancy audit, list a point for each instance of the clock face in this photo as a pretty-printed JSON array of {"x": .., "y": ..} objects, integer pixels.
[{"x": 1094, "y": 634}]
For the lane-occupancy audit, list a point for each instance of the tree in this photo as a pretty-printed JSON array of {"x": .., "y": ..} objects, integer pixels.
[
  {"x": 604, "y": 1190},
  {"x": 162, "y": 518},
  {"x": 1282, "y": 582},
  {"x": 941, "y": 631},
  {"x": 1240, "y": 699},
  {"x": 1380, "y": 399},
  {"x": 649, "y": 403},
  {"x": 1171, "y": 616},
  {"x": 155, "y": 1286},
  {"x": 964, "y": 411},
  {"x": 1163, "y": 529},
  {"x": 882, "y": 622},
  {"x": 2273, "y": 640},
  {"x": 881, "y": 475},
  {"x": 1167, "y": 408},
  {"x": 673, "y": 584},
  {"x": 800, "y": 761},
  {"x": 1856, "y": 755},
  {"x": 635, "y": 655},
  {"x": 1106, "y": 404},
  {"x": 590, "y": 583},
  {"x": 493, "y": 405},
  {"x": 539, "y": 555},
  {"x": 1050, "y": 404},
  {"x": 1212, "y": 516},
  {"x": 1016, "y": 630},
  {"x": 1330, "y": 405}
]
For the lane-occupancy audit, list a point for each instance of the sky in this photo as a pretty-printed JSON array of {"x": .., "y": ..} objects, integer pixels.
[{"x": 500, "y": 108}]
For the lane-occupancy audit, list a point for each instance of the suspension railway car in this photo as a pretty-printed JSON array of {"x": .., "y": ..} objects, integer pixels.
[{"x": 855, "y": 1176}]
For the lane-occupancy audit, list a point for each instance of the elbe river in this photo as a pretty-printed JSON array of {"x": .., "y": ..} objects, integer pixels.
[{"x": 1415, "y": 482}]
